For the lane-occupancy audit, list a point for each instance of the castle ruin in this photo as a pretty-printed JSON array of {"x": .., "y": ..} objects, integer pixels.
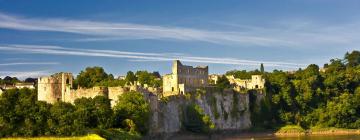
[
  {"x": 58, "y": 87},
  {"x": 184, "y": 79},
  {"x": 256, "y": 82},
  {"x": 55, "y": 87}
]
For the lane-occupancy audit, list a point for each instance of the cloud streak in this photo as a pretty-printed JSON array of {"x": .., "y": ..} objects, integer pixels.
[
  {"x": 29, "y": 63},
  {"x": 23, "y": 74},
  {"x": 139, "y": 56},
  {"x": 104, "y": 31},
  {"x": 288, "y": 33}
]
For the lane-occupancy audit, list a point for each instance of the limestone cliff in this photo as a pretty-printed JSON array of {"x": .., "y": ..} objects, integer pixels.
[{"x": 228, "y": 110}]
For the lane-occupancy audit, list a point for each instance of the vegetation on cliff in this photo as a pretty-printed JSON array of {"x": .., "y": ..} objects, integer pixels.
[
  {"x": 195, "y": 120},
  {"x": 328, "y": 97}
]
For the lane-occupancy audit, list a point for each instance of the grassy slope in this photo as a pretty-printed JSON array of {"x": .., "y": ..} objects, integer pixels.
[{"x": 297, "y": 130}]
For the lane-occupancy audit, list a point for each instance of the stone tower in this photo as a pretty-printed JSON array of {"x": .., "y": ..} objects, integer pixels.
[{"x": 55, "y": 87}]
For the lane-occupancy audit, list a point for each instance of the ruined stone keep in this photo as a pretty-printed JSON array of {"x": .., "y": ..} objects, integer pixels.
[
  {"x": 184, "y": 79},
  {"x": 55, "y": 87}
]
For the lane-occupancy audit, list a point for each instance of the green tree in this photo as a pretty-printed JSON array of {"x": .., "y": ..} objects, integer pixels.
[
  {"x": 132, "y": 106},
  {"x": 353, "y": 58},
  {"x": 91, "y": 76},
  {"x": 103, "y": 112},
  {"x": 130, "y": 77},
  {"x": 61, "y": 122},
  {"x": 10, "y": 80},
  {"x": 151, "y": 79},
  {"x": 223, "y": 83},
  {"x": 84, "y": 108},
  {"x": 262, "y": 69}
]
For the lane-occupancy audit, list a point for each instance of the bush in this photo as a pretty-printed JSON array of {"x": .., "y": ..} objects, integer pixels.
[{"x": 132, "y": 106}]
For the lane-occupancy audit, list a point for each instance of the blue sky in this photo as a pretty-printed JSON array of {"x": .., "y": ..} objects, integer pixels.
[{"x": 41, "y": 37}]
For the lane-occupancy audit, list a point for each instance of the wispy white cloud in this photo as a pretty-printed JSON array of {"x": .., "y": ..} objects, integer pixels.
[
  {"x": 23, "y": 74},
  {"x": 29, "y": 63},
  {"x": 140, "y": 56},
  {"x": 103, "y": 31},
  {"x": 287, "y": 33},
  {"x": 305, "y": 33}
]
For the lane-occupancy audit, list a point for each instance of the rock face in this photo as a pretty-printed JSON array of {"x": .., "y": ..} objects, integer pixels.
[{"x": 228, "y": 110}]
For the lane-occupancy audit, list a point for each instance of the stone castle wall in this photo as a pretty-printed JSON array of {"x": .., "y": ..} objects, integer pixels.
[
  {"x": 57, "y": 87},
  {"x": 115, "y": 92},
  {"x": 256, "y": 82},
  {"x": 183, "y": 77},
  {"x": 85, "y": 92}
]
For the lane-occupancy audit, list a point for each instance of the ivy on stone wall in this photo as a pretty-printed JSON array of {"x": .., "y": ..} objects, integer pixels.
[
  {"x": 195, "y": 120},
  {"x": 235, "y": 113},
  {"x": 225, "y": 114},
  {"x": 213, "y": 106}
]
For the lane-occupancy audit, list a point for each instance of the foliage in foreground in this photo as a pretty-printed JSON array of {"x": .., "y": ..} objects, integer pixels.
[
  {"x": 22, "y": 115},
  {"x": 132, "y": 112}
]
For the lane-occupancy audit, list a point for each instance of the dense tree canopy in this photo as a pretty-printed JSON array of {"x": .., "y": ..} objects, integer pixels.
[
  {"x": 132, "y": 112},
  {"x": 151, "y": 79},
  {"x": 22, "y": 115},
  {"x": 91, "y": 76},
  {"x": 243, "y": 74},
  {"x": 311, "y": 97},
  {"x": 223, "y": 83},
  {"x": 353, "y": 58},
  {"x": 10, "y": 80},
  {"x": 96, "y": 76}
]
